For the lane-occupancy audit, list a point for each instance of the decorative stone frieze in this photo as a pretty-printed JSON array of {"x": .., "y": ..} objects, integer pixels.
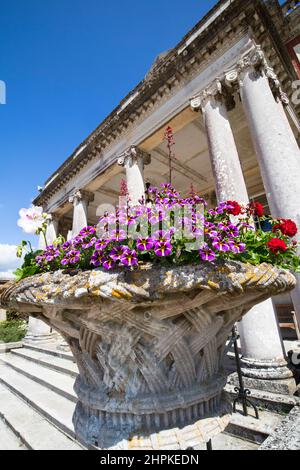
[{"x": 149, "y": 345}]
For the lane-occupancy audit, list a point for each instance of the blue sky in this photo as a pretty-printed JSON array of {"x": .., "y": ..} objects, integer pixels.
[{"x": 66, "y": 64}]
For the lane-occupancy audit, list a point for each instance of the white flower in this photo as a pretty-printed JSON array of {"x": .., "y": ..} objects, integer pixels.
[{"x": 31, "y": 219}]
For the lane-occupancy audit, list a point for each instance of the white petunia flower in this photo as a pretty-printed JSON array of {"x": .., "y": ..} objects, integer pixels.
[{"x": 31, "y": 219}]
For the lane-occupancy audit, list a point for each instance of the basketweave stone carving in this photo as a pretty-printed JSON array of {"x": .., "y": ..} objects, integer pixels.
[{"x": 149, "y": 345}]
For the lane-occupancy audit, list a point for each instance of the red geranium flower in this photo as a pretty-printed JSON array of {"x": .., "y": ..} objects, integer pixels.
[
  {"x": 277, "y": 246},
  {"x": 235, "y": 209},
  {"x": 256, "y": 208},
  {"x": 287, "y": 227}
]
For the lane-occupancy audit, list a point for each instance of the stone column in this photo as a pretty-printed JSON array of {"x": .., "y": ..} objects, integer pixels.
[
  {"x": 38, "y": 331},
  {"x": 275, "y": 144},
  {"x": 227, "y": 170},
  {"x": 261, "y": 321},
  {"x": 52, "y": 229},
  {"x": 134, "y": 159},
  {"x": 80, "y": 201}
]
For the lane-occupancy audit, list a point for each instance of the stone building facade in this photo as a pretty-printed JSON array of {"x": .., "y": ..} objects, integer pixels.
[{"x": 229, "y": 91}]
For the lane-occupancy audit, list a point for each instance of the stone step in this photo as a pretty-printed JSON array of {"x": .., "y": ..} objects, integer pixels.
[
  {"x": 47, "y": 360},
  {"x": 51, "y": 350},
  {"x": 252, "y": 429},
  {"x": 57, "y": 409},
  {"x": 58, "y": 382},
  {"x": 227, "y": 442},
  {"x": 8, "y": 440},
  {"x": 286, "y": 436},
  {"x": 28, "y": 429}
]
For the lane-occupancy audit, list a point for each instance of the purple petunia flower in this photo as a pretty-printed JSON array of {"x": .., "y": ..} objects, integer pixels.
[
  {"x": 163, "y": 248},
  {"x": 97, "y": 259},
  {"x": 118, "y": 251},
  {"x": 246, "y": 225},
  {"x": 232, "y": 230},
  {"x": 145, "y": 244},
  {"x": 71, "y": 258},
  {"x": 40, "y": 260},
  {"x": 77, "y": 241},
  {"x": 206, "y": 253},
  {"x": 89, "y": 244},
  {"x": 162, "y": 236},
  {"x": 87, "y": 231},
  {"x": 51, "y": 253},
  {"x": 156, "y": 216},
  {"x": 108, "y": 264},
  {"x": 141, "y": 210},
  {"x": 220, "y": 245},
  {"x": 210, "y": 231},
  {"x": 129, "y": 258},
  {"x": 101, "y": 244},
  {"x": 117, "y": 235},
  {"x": 67, "y": 245},
  {"x": 236, "y": 247}
]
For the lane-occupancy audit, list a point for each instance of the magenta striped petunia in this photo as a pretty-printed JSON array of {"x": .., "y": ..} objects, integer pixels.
[
  {"x": 162, "y": 248},
  {"x": 129, "y": 258},
  {"x": 145, "y": 244},
  {"x": 206, "y": 253},
  {"x": 220, "y": 245}
]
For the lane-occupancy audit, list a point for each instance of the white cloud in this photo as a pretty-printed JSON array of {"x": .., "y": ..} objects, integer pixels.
[{"x": 8, "y": 258}]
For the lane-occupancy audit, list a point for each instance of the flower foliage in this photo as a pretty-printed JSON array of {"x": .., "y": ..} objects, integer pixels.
[{"x": 174, "y": 230}]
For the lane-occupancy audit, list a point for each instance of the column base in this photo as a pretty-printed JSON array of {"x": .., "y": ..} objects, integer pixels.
[
  {"x": 270, "y": 376},
  {"x": 40, "y": 339},
  {"x": 63, "y": 346}
]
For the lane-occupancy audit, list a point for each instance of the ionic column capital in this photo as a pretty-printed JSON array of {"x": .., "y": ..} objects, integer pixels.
[
  {"x": 223, "y": 87},
  {"x": 256, "y": 60},
  {"x": 52, "y": 218},
  {"x": 212, "y": 91},
  {"x": 81, "y": 195},
  {"x": 133, "y": 155}
]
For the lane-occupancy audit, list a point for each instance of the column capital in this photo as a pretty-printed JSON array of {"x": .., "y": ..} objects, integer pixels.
[
  {"x": 256, "y": 60},
  {"x": 81, "y": 195},
  {"x": 231, "y": 80},
  {"x": 52, "y": 218},
  {"x": 132, "y": 155},
  {"x": 217, "y": 91},
  {"x": 212, "y": 91}
]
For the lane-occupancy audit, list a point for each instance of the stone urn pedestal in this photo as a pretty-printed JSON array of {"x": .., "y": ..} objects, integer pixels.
[{"x": 149, "y": 345}]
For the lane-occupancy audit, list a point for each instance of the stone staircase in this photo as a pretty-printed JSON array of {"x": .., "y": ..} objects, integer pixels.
[
  {"x": 37, "y": 403},
  {"x": 37, "y": 398}
]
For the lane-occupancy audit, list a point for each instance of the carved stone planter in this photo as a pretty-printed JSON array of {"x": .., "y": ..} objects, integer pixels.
[{"x": 149, "y": 345}]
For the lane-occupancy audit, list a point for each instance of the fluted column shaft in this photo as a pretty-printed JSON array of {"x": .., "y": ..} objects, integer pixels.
[{"x": 38, "y": 331}]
